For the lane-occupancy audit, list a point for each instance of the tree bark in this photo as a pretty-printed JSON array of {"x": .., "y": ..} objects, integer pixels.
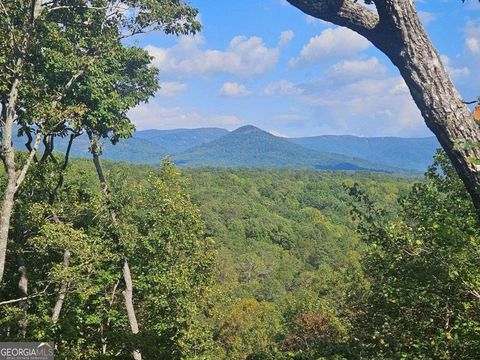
[
  {"x": 399, "y": 34},
  {"x": 14, "y": 180},
  {"x": 128, "y": 296},
  {"x": 23, "y": 289},
  {"x": 7, "y": 152},
  {"x": 8, "y": 157},
  {"x": 128, "y": 292},
  {"x": 63, "y": 289}
]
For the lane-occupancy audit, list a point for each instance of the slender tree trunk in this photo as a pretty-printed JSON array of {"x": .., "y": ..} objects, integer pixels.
[
  {"x": 66, "y": 254},
  {"x": 14, "y": 180},
  {"x": 397, "y": 31},
  {"x": 8, "y": 157},
  {"x": 128, "y": 296},
  {"x": 63, "y": 289},
  {"x": 7, "y": 152},
  {"x": 7, "y": 205},
  {"x": 128, "y": 292},
  {"x": 110, "y": 305},
  {"x": 23, "y": 289}
]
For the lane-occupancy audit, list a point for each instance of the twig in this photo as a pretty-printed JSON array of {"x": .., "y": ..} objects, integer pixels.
[{"x": 41, "y": 293}]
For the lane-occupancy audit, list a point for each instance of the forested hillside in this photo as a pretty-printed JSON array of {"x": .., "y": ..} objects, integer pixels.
[
  {"x": 245, "y": 264},
  {"x": 272, "y": 246},
  {"x": 250, "y": 146},
  {"x": 287, "y": 254}
]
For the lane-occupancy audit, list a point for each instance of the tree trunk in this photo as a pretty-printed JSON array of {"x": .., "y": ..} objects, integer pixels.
[
  {"x": 7, "y": 152},
  {"x": 63, "y": 289},
  {"x": 399, "y": 34},
  {"x": 57, "y": 309},
  {"x": 128, "y": 296},
  {"x": 441, "y": 106},
  {"x": 8, "y": 157},
  {"x": 23, "y": 289},
  {"x": 14, "y": 180},
  {"x": 128, "y": 292}
]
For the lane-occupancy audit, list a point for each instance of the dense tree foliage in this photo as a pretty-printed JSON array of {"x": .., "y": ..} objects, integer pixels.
[
  {"x": 287, "y": 258},
  {"x": 423, "y": 268},
  {"x": 254, "y": 264},
  {"x": 64, "y": 68},
  {"x": 171, "y": 264}
]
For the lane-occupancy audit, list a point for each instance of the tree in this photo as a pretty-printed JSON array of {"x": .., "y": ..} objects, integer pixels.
[
  {"x": 396, "y": 30},
  {"x": 115, "y": 84},
  {"x": 62, "y": 40},
  {"x": 250, "y": 328},
  {"x": 171, "y": 260},
  {"x": 172, "y": 275},
  {"x": 422, "y": 265}
]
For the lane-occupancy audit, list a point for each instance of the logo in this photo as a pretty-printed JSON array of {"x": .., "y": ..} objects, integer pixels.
[{"x": 26, "y": 350}]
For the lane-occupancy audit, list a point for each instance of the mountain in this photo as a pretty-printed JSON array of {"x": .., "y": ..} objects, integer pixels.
[
  {"x": 145, "y": 147},
  {"x": 131, "y": 150},
  {"x": 405, "y": 153},
  {"x": 179, "y": 140},
  {"x": 250, "y": 146}
]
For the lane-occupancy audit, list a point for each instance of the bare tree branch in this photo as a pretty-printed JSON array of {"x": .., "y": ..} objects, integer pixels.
[{"x": 41, "y": 293}]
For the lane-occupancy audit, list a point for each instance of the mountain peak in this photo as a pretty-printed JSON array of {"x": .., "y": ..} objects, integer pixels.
[{"x": 247, "y": 129}]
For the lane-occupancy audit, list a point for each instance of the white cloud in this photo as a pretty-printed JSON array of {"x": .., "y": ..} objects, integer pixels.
[
  {"x": 455, "y": 73},
  {"x": 473, "y": 45},
  {"x": 155, "y": 116},
  {"x": 233, "y": 89},
  {"x": 288, "y": 117},
  {"x": 285, "y": 38},
  {"x": 348, "y": 70},
  {"x": 426, "y": 17},
  {"x": 472, "y": 37},
  {"x": 278, "y": 134},
  {"x": 282, "y": 87},
  {"x": 370, "y": 106},
  {"x": 245, "y": 57},
  {"x": 313, "y": 20},
  {"x": 331, "y": 43},
  {"x": 171, "y": 88}
]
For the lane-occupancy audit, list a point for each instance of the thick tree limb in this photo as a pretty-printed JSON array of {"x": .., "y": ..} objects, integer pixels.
[{"x": 341, "y": 12}]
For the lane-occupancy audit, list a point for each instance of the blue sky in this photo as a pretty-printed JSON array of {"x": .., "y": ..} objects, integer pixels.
[{"x": 266, "y": 63}]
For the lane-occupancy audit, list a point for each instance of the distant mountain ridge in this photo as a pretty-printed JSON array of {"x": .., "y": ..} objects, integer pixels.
[
  {"x": 406, "y": 153},
  {"x": 179, "y": 140},
  {"x": 250, "y": 146}
]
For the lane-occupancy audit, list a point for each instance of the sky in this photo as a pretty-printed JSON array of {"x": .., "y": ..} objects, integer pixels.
[{"x": 265, "y": 63}]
